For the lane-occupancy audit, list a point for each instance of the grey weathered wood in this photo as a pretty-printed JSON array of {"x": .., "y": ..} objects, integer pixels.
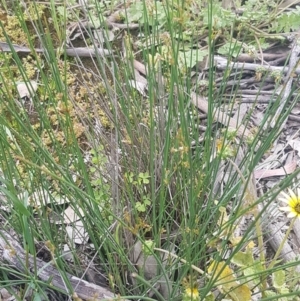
[
  {"x": 72, "y": 51},
  {"x": 11, "y": 252},
  {"x": 223, "y": 64}
]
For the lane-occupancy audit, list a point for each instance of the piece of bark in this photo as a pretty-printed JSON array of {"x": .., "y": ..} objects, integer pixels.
[
  {"x": 283, "y": 171},
  {"x": 12, "y": 253}
]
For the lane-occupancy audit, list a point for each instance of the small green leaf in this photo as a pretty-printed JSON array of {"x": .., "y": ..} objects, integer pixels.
[
  {"x": 242, "y": 259},
  {"x": 278, "y": 279},
  {"x": 135, "y": 12},
  {"x": 209, "y": 297},
  {"x": 143, "y": 178},
  {"x": 252, "y": 271},
  {"x": 62, "y": 12},
  {"x": 140, "y": 207},
  {"x": 284, "y": 290},
  {"x": 269, "y": 293},
  {"x": 241, "y": 293},
  {"x": 288, "y": 21},
  {"x": 188, "y": 59},
  {"x": 148, "y": 247},
  {"x": 232, "y": 49}
]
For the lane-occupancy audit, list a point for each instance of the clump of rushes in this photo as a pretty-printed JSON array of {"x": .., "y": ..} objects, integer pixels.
[{"x": 137, "y": 167}]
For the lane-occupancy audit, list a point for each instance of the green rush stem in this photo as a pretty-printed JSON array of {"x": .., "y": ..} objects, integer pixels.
[
  {"x": 257, "y": 223},
  {"x": 180, "y": 259},
  {"x": 146, "y": 283}
]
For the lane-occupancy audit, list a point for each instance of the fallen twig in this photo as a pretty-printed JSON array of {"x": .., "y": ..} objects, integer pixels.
[
  {"x": 275, "y": 238},
  {"x": 224, "y": 64},
  {"x": 74, "y": 51},
  {"x": 283, "y": 171},
  {"x": 269, "y": 57},
  {"x": 289, "y": 80},
  {"x": 202, "y": 104},
  {"x": 12, "y": 253}
]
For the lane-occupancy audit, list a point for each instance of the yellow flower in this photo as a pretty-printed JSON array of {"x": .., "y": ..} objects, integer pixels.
[
  {"x": 293, "y": 203},
  {"x": 191, "y": 294}
]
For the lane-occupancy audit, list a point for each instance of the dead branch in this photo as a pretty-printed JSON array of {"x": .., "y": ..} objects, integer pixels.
[
  {"x": 72, "y": 51},
  {"x": 13, "y": 254}
]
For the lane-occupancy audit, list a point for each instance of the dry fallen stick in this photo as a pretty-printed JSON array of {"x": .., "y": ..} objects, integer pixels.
[
  {"x": 275, "y": 238},
  {"x": 224, "y": 64},
  {"x": 293, "y": 63},
  {"x": 75, "y": 51},
  {"x": 283, "y": 171},
  {"x": 246, "y": 58},
  {"x": 12, "y": 253},
  {"x": 202, "y": 104}
]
